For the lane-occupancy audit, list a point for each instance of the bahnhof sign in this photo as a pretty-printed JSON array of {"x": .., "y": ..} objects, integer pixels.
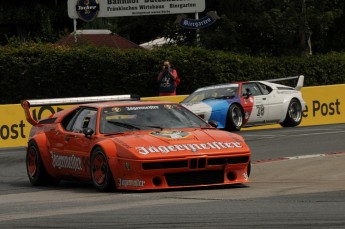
[{"x": 89, "y": 9}]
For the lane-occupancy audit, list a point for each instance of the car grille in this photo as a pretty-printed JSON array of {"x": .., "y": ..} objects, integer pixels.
[
  {"x": 195, "y": 163},
  {"x": 195, "y": 178},
  {"x": 228, "y": 160},
  {"x": 165, "y": 165}
]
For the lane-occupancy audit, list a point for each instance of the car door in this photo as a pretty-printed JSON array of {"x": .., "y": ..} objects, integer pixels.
[
  {"x": 70, "y": 155},
  {"x": 275, "y": 103},
  {"x": 254, "y": 97}
]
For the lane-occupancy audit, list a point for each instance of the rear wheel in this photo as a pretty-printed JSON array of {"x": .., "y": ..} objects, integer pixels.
[
  {"x": 100, "y": 172},
  {"x": 36, "y": 171},
  {"x": 293, "y": 115},
  {"x": 234, "y": 120}
]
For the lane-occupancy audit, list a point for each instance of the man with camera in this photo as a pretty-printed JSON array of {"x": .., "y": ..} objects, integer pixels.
[{"x": 168, "y": 80}]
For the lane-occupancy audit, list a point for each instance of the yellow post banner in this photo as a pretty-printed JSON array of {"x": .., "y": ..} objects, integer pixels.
[
  {"x": 325, "y": 105},
  {"x": 14, "y": 128},
  {"x": 177, "y": 98}
]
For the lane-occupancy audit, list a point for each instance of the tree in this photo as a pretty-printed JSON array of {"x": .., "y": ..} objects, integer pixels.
[
  {"x": 276, "y": 27},
  {"x": 40, "y": 20},
  {"x": 256, "y": 27}
]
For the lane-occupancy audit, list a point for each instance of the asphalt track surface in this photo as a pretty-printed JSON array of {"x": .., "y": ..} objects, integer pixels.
[{"x": 297, "y": 181}]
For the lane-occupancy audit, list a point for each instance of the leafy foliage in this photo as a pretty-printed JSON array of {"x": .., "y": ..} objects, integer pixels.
[
  {"x": 33, "y": 71},
  {"x": 276, "y": 27},
  {"x": 255, "y": 27}
]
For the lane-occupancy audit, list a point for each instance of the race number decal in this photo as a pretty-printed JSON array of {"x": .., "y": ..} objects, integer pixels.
[{"x": 261, "y": 110}]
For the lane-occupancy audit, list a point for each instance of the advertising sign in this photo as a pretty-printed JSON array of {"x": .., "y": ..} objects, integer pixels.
[
  {"x": 88, "y": 9},
  {"x": 204, "y": 22},
  {"x": 325, "y": 105}
]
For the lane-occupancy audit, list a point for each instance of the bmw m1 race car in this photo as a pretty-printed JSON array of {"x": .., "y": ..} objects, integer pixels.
[
  {"x": 131, "y": 144},
  {"x": 244, "y": 104}
]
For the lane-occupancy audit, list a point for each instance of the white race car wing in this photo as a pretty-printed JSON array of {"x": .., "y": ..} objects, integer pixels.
[{"x": 300, "y": 81}]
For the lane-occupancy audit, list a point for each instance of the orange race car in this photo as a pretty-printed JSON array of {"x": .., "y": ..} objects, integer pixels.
[{"x": 131, "y": 144}]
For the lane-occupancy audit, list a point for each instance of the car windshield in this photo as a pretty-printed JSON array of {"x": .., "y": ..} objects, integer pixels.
[
  {"x": 145, "y": 117},
  {"x": 214, "y": 92}
]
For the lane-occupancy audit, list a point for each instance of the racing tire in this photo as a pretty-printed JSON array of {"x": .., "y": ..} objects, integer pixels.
[
  {"x": 249, "y": 168},
  {"x": 101, "y": 175},
  {"x": 234, "y": 119},
  {"x": 293, "y": 114},
  {"x": 35, "y": 169}
]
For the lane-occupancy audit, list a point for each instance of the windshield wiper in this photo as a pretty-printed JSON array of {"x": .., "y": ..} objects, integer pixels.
[
  {"x": 155, "y": 127},
  {"x": 125, "y": 125},
  {"x": 115, "y": 133},
  {"x": 129, "y": 126}
]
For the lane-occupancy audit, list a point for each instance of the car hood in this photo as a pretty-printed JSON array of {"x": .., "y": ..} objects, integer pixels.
[
  {"x": 209, "y": 104},
  {"x": 206, "y": 103},
  {"x": 178, "y": 143}
]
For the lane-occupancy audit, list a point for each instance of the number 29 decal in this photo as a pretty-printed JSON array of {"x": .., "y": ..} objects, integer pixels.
[{"x": 261, "y": 110}]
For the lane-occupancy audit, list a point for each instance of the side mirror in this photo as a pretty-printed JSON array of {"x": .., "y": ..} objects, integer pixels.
[
  {"x": 213, "y": 123},
  {"x": 88, "y": 132},
  {"x": 248, "y": 93}
]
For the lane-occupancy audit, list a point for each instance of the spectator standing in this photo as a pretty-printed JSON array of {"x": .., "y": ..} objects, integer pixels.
[{"x": 168, "y": 80}]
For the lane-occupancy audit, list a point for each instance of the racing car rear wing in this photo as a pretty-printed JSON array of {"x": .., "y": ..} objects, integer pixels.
[
  {"x": 300, "y": 81},
  {"x": 26, "y": 104}
]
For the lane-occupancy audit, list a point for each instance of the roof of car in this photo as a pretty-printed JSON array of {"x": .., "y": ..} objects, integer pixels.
[
  {"x": 126, "y": 103},
  {"x": 219, "y": 85}
]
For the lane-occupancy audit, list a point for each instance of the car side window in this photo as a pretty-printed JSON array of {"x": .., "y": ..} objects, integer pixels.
[
  {"x": 69, "y": 118},
  {"x": 265, "y": 89},
  {"x": 86, "y": 118},
  {"x": 251, "y": 87}
]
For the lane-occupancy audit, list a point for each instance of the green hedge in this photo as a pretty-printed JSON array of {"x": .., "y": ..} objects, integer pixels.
[{"x": 33, "y": 71}]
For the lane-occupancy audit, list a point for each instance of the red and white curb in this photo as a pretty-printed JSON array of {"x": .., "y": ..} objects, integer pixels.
[{"x": 298, "y": 157}]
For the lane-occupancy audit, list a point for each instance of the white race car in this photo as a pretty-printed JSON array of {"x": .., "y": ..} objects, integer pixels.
[{"x": 252, "y": 103}]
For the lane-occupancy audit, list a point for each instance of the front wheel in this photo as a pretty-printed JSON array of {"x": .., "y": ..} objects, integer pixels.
[
  {"x": 249, "y": 168},
  {"x": 293, "y": 115},
  {"x": 101, "y": 175},
  {"x": 234, "y": 120}
]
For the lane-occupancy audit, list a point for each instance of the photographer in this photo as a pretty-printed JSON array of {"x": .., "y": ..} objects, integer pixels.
[{"x": 168, "y": 80}]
